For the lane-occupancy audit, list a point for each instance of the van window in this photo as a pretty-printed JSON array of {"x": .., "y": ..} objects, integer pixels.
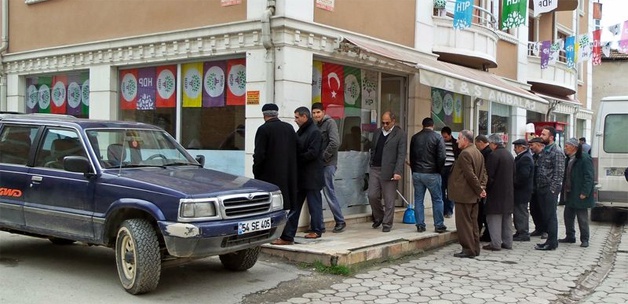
[{"x": 615, "y": 135}]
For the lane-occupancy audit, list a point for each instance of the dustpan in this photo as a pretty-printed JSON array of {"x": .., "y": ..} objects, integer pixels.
[{"x": 408, "y": 215}]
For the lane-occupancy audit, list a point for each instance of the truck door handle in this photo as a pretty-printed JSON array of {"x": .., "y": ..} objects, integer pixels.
[{"x": 37, "y": 178}]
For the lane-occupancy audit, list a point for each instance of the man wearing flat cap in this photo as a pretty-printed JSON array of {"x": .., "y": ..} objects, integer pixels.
[
  {"x": 577, "y": 192},
  {"x": 523, "y": 184},
  {"x": 275, "y": 154}
]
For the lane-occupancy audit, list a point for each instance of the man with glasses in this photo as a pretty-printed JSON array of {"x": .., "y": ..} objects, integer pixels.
[
  {"x": 469, "y": 177},
  {"x": 388, "y": 155}
]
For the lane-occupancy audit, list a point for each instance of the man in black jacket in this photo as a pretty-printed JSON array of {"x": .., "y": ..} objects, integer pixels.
[
  {"x": 309, "y": 178},
  {"x": 524, "y": 180},
  {"x": 481, "y": 142},
  {"x": 427, "y": 159}
]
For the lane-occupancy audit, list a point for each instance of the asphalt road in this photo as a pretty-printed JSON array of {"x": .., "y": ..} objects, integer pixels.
[{"x": 34, "y": 270}]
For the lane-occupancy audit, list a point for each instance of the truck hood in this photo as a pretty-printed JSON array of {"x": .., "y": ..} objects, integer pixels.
[{"x": 190, "y": 181}]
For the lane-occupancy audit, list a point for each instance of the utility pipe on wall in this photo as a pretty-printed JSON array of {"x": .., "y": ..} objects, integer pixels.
[
  {"x": 3, "y": 47},
  {"x": 267, "y": 42}
]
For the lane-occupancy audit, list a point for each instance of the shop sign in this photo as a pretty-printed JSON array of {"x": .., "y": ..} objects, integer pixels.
[
  {"x": 327, "y": 5},
  {"x": 252, "y": 97}
]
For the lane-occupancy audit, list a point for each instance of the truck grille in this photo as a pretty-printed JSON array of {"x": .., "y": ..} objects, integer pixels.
[{"x": 246, "y": 204}]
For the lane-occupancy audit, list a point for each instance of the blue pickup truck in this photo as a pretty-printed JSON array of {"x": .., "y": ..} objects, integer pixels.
[{"x": 132, "y": 187}]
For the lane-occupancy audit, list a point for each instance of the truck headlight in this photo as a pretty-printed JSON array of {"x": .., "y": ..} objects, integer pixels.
[
  {"x": 277, "y": 201},
  {"x": 195, "y": 208}
]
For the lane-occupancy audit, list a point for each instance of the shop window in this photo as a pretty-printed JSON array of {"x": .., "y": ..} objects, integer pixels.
[
  {"x": 66, "y": 93},
  {"x": 447, "y": 110},
  {"x": 495, "y": 115}
]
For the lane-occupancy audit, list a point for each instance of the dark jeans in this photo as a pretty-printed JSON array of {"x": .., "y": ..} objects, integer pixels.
[
  {"x": 535, "y": 213},
  {"x": 482, "y": 219},
  {"x": 447, "y": 204},
  {"x": 522, "y": 219},
  {"x": 314, "y": 204},
  {"x": 583, "y": 223},
  {"x": 547, "y": 203}
]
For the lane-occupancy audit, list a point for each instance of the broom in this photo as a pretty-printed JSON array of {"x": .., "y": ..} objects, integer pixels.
[{"x": 408, "y": 215}]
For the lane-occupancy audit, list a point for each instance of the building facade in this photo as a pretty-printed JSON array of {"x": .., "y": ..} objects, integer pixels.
[{"x": 203, "y": 69}]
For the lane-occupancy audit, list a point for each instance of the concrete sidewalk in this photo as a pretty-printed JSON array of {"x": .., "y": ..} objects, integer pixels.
[{"x": 361, "y": 243}]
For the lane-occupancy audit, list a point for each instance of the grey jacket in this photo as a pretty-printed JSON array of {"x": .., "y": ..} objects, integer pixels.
[
  {"x": 331, "y": 140},
  {"x": 394, "y": 154},
  {"x": 550, "y": 167}
]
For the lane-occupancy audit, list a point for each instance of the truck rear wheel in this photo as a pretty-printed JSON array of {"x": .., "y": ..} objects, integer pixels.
[
  {"x": 137, "y": 256},
  {"x": 240, "y": 260}
]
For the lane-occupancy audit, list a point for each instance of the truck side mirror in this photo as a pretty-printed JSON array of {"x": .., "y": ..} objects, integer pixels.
[{"x": 201, "y": 160}]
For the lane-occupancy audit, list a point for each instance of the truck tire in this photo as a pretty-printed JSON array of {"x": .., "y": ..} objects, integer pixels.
[
  {"x": 240, "y": 260},
  {"x": 601, "y": 214},
  {"x": 137, "y": 256}
]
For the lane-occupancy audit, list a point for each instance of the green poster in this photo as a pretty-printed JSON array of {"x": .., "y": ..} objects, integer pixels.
[
  {"x": 85, "y": 94},
  {"x": 353, "y": 87},
  {"x": 514, "y": 13},
  {"x": 44, "y": 97}
]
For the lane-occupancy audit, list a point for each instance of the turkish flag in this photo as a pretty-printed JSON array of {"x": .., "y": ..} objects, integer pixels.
[
  {"x": 333, "y": 88},
  {"x": 59, "y": 94}
]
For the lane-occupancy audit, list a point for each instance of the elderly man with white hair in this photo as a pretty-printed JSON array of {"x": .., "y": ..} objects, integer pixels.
[{"x": 500, "y": 167}]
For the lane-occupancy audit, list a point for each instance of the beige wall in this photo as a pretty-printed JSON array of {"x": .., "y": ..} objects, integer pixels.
[
  {"x": 546, "y": 27},
  {"x": 380, "y": 19},
  {"x": 506, "y": 66},
  {"x": 565, "y": 19},
  {"x": 49, "y": 24},
  {"x": 608, "y": 80}
]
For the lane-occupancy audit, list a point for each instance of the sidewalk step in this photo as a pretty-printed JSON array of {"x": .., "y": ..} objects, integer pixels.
[{"x": 361, "y": 243}]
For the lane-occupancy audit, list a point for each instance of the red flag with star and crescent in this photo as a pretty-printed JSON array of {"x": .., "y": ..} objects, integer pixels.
[{"x": 333, "y": 88}]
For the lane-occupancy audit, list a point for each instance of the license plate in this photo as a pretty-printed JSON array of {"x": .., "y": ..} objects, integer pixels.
[{"x": 254, "y": 225}]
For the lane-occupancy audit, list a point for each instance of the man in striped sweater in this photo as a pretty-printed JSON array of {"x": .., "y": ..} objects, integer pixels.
[{"x": 451, "y": 152}]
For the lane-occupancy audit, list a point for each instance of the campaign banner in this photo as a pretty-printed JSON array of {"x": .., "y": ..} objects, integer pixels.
[
  {"x": 369, "y": 89},
  {"x": 58, "y": 94},
  {"x": 44, "y": 96},
  {"x": 597, "y": 47},
  {"x": 353, "y": 87},
  {"x": 74, "y": 95},
  {"x": 128, "y": 89},
  {"x": 85, "y": 94},
  {"x": 214, "y": 83},
  {"x": 514, "y": 13},
  {"x": 32, "y": 95},
  {"x": 191, "y": 84},
  {"x": 545, "y": 53},
  {"x": 146, "y": 80},
  {"x": 544, "y": 6},
  {"x": 236, "y": 82},
  {"x": 166, "y": 96},
  {"x": 463, "y": 14},
  {"x": 570, "y": 51},
  {"x": 317, "y": 80}
]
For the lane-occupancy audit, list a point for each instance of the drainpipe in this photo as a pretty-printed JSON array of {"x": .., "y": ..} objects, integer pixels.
[
  {"x": 267, "y": 42},
  {"x": 3, "y": 47}
]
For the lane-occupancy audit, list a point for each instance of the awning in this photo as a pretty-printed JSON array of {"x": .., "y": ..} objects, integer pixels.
[
  {"x": 478, "y": 84},
  {"x": 457, "y": 79},
  {"x": 559, "y": 99}
]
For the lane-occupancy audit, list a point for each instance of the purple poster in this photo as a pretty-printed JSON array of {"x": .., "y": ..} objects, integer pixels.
[
  {"x": 74, "y": 94},
  {"x": 214, "y": 83},
  {"x": 545, "y": 53},
  {"x": 146, "y": 88}
]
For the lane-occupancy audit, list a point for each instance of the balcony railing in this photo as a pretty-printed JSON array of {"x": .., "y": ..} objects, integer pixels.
[
  {"x": 481, "y": 16},
  {"x": 562, "y": 55}
]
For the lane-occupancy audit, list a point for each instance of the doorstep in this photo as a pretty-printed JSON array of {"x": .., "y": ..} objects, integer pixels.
[{"x": 360, "y": 243}]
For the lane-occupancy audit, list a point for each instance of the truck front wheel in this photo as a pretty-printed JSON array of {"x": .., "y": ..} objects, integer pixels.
[
  {"x": 137, "y": 256},
  {"x": 240, "y": 260}
]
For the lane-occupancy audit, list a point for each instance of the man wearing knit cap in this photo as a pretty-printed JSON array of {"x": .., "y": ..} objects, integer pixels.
[
  {"x": 275, "y": 155},
  {"x": 523, "y": 185},
  {"x": 577, "y": 192}
]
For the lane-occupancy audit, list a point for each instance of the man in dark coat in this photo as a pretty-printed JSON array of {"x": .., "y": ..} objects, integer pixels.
[
  {"x": 524, "y": 180},
  {"x": 388, "y": 154},
  {"x": 481, "y": 142},
  {"x": 577, "y": 192},
  {"x": 275, "y": 155},
  {"x": 309, "y": 179},
  {"x": 469, "y": 177},
  {"x": 500, "y": 167}
]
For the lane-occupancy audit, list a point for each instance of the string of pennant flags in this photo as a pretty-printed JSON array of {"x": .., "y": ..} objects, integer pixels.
[{"x": 576, "y": 49}]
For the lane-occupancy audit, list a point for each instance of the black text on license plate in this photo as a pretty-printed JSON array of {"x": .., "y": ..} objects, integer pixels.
[{"x": 254, "y": 225}]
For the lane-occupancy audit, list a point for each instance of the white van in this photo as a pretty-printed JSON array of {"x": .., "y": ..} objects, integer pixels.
[{"x": 609, "y": 150}]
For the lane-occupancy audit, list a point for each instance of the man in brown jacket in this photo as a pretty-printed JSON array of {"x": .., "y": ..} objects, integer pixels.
[{"x": 469, "y": 177}]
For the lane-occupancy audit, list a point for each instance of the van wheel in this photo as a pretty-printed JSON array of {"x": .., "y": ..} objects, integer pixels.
[
  {"x": 601, "y": 214},
  {"x": 240, "y": 260},
  {"x": 60, "y": 241},
  {"x": 137, "y": 256}
]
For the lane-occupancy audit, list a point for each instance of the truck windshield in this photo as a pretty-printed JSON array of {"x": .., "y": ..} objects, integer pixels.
[{"x": 125, "y": 148}]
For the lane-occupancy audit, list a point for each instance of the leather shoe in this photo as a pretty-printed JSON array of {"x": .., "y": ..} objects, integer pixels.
[
  {"x": 386, "y": 229},
  {"x": 463, "y": 255},
  {"x": 567, "y": 240},
  {"x": 491, "y": 248},
  {"x": 506, "y": 247},
  {"x": 536, "y": 233},
  {"x": 281, "y": 242},
  {"x": 376, "y": 224},
  {"x": 339, "y": 228},
  {"x": 420, "y": 229},
  {"x": 312, "y": 235},
  {"x": 521, "y": 238},
  {"x": 441, "y": 229},
  {"x": 584, "y": 244},
  {"x": 544, "y": 247}
]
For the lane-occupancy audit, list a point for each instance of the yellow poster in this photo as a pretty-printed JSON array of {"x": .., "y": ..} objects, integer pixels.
[
  {"x": 317, "y": 80},
  {"x": 192, "y": 85},
  {"x": 457, "y": 108}
]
